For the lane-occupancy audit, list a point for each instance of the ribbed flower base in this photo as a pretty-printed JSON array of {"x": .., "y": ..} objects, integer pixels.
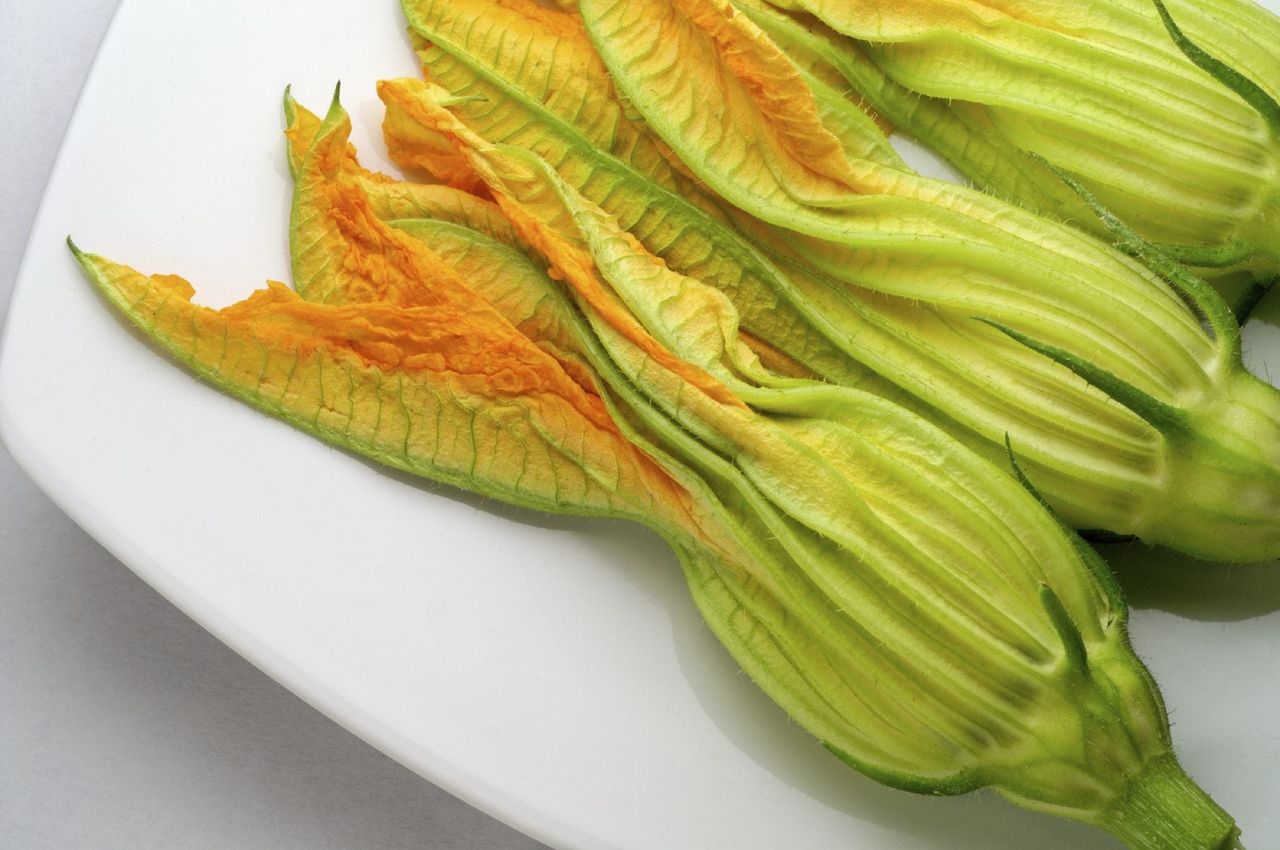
[{"x": 1162, "y": 809}]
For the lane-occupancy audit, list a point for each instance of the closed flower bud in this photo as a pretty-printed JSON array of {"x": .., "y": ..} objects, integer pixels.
[{"x": 1168, "y": 116}]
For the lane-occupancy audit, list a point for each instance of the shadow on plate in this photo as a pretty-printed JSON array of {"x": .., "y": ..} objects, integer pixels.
[{"x": 1153, "y": 577}]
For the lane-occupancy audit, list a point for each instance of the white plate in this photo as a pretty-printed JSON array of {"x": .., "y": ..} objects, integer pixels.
[{"x": 550, "y": 671}]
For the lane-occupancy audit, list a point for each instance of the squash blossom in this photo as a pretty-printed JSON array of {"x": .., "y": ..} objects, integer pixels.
[
  {"x": 1128, "y": 415},
  {"x": 1167, "y": 115},
  {"x": 909, "y": 603}
]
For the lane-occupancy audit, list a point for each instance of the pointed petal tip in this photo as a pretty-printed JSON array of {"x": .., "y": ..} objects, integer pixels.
[
  {"x": 335, "y": 112},
  {"x": 80, "y": 256},
  {"x": 290, "y": 106}
]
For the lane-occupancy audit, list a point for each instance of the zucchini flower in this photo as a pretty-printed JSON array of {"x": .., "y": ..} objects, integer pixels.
[
  {"x": 1136, "y": 100},
  {"x": 877, "y": 544},
  {"x": 988, "y": 321},
  {"x": 910, "y": 605}
]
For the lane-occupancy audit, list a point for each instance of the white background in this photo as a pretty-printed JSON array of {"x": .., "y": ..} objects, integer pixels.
[{"x": 122, "y": 723}]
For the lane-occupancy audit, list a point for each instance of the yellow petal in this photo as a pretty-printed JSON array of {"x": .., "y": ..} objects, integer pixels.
[{"x": 451, "y": 392}]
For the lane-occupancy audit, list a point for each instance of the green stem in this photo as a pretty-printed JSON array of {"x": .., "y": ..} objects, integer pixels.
[
  {"x": 1249, "y": 91},
  {"x": 1162, "y": 809},
  {"x": 1163, "y": 417},
  {"x": 1210, "y": 304}
]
